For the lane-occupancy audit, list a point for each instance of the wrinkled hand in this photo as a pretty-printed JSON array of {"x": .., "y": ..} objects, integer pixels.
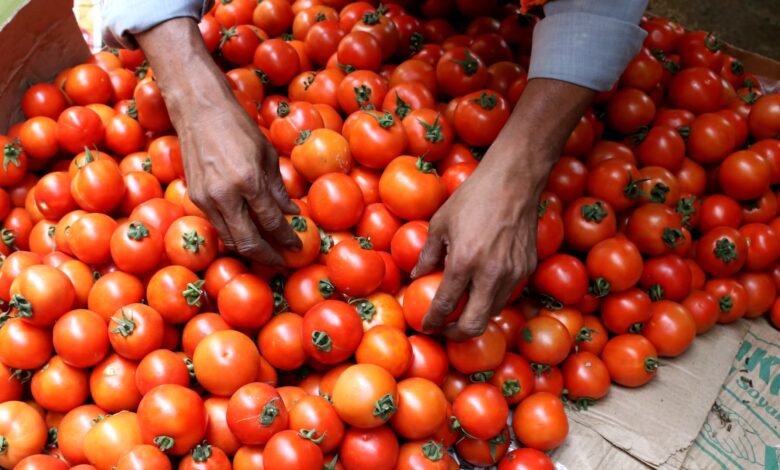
[
  {"x": 233, "y": 176},
  {"x": 486, "y": 235}
]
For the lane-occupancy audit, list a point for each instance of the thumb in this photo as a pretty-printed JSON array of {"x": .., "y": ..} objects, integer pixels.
[{"x": 429, "y": 256}]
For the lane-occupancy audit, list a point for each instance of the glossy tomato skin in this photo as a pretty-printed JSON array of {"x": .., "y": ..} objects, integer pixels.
[
  {"x": 422, "y": 408},
  {"x": 481, "y": 410},
  {"x": 563, "y": 278},
  {"x": 375, "y": 448},
  {"x": 721, "y": 252},
  {"x": 173, "y": 411},
  {"x": 418, "y": 298},
  {"x": 671, "y": 328},
  {"x": 539, "y": 421},
  {"x": 24, "y": 430},
  {"x": 631, "y": 359},
  {"x": 332, "y": 331},
  {"x": 222, "y": 355},
  {"x": 411, "y": 189},
  {"x": 253, "y": 400},
  {"x": 362, "y": 388},
  {"x": 355, "y": 268}
]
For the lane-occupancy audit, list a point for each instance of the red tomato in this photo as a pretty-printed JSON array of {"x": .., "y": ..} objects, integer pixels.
[
  {"x": 562, "y": 278},
  {"x": 631, "y": 359},
  {"x": 418, "y": 297},
  {"x": 365, "y": 396},
  {"x": 460, "y": 72},
  {"x": 173, "y": 418},
  {"x": 411, "y": 189},
  {"x": 246, "y": 301},
  {"x": 539, "y": 421},
  {"x": 332, "y": 331}
]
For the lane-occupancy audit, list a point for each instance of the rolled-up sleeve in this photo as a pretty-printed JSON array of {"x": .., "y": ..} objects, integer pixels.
[
  {"x": 587, "y": 42},
  {"x": 123, "y": 18}
]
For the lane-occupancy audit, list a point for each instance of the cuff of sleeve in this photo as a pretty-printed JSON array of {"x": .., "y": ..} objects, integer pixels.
[
  {"x": 122, "y": 19},
  {"x": 583, "y": 48}
]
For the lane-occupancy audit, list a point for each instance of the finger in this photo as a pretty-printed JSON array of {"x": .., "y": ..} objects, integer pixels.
[
  {"x": 485, "y": 301},
  {"x": 429, "y": 256},
  {"x": 216, "y": 219},
  {"x": 452, "y": 286},
  {"x": 271, "y": 220},
  {"x": 279, "y": 192},
  {"x": 246, "y": 238},
  {"x": 276, "y": 184}
]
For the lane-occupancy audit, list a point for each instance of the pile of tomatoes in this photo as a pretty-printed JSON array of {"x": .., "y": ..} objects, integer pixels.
[{"x": 131, "y": 339}]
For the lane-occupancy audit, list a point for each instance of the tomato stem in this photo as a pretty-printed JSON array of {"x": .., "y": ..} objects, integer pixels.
[
  {"x": 192, "y": 241},
  {"x": 433, "y": 132},
  {"x": 416, "y": 42},
  {"x": 137, "y": 231},
  {"x": 636, "y": 327},
  {"x": 659, "y": 192},
  {"x": 363, "y": 97},
  {"x": 493, "y": 443},
  {"x": 21, "y": 375},
  {"x": 673, "y": 237},
  {"x": 125, "y": 326},
  {"x": 326, "y": 288},
  {"x": 11, "y": 153},
  {"x": 725, "y": 250},
  {"x": 486, "y": 101},
  {"x": 164, "y": 443},
  {"x": 51, "y": 438},
  {"x": 425, "y": 166},
  {"x": 599, "y": 287},
  {"x": 539, "y": 369},
  {"x": 511, "y": 387},
  {"x": 3, "y": 444},
  {"x": 201, "y": 452},
  {"x": 481, "y": 377},
  {"x": 269, "y": 413},
  {"x": 310, "y": 435},
  {"x": 402, "y": 108},
  {"x": 303, "y": 136},
  {"x": 651, "y": 364},
  {"x": 550, "y": 302},
  {"x": 332, "y": 464},
  {"x": 594, "y": 212},
  {"x": 469, "y": 63},
  {"x": 193, "y": 292},
  {"x": 585, "y": 334},
  {"x": 385, "y": 407},
  {"x": 347, "y": 68},
  {"x": 298, "y": 223},
  {"x": 433, "y": 451},
  {"x": 147, "y": 165},
  {"x": 321, "y": 340},
  {"x": 656, "y": 292},
  {"x": 725, "y": 303},
  {"x": 22, "y": 306},
  {"x": 365, "y": 308}
]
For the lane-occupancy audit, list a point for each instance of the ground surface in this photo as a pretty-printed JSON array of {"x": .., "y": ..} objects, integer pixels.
[{"x": 750, "y": 24}]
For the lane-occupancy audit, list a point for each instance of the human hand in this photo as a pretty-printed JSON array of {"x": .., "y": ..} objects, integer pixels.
[
  {"x": 488, "y": 229},
  {"x": 232, "y": 170},
  {"x": 233, "y": 176}
]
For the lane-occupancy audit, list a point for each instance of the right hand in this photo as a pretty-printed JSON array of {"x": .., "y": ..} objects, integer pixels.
[{"x": 233, "y": 176}]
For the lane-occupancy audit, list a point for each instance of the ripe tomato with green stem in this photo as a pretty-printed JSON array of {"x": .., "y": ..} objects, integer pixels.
[
  {"x": 135, "y": 330},
  {"x": 224, "y": 361},
  {"x": 173, "y": 418},
  {"x": 332, "y": 331},
  {"x": 480, "y": 116},
  {"x": 721, "y": 252},
  {"x": 136, "y": 248},
  {"x": 631, "y": 360},
  {"x": 365, "y": 396},
  {"x": 539, "y": 421},
  {"x": 175, "y": 292}
]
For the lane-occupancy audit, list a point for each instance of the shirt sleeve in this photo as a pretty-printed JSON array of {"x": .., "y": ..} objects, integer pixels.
[
  {"x": 123, "y": 18},
  {"x": 587, "y": 42}
]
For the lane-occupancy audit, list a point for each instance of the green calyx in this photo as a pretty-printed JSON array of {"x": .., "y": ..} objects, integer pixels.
[
  {"x": 510, "y": 388},
  {"x": 416, "y": 42},
  {"x": 137, "y": 231},
  {"x": 632, "y": 190},
  {"x": 227, "y": 34},
  {"x": 433, "y": 132},
  {"x": 585, "y": 334},
  {"x": 599, "y": 287},
  {"x": 402, "y": 108},
  {"x": 659, "y": 192},
  {"x": 371, "y": 18},
  {"x": 651, "y": 364},
  {"x": 550, "y": 302},
  {"x": 673, "y": 237},
  {"x": 365, "y": 243},
  {"x": 193, "y": 293},
  {"x": 192, "y": 241},
  {"x": 725, "y": 304},
  {"x": 385, "y": 407},
  {"x": 469, "y": 63},
  {"x": 425, "y": 166},
  {"x": 486, "y": 101},
  {"x": 365, "y": 308},
  {"x": 326, "y": 242},
  {"x": 201, "y": 452},
  {"x": 594, "y": 212},
  {"x": 326, "y": 288},
  {"x": 385, "y": 120},
  {"x": 303, "y": 136},
  {"x": 298, "y": 223},
  {"x": 311, "y": 434},
  {"x": 269, "y": 413},
  {"x": 725, "y": 250},
  {"x": 22, "y": 306},
  {"x": 636, "y": 327},
  {"x": 433, "y": 451},
  {"x": 656, "y": 292},
  {"x": 51, "y": 438},
  {"x": 11, "y": 154},
  {"x": 283, "y": 109},
  {"x": 493, "y": 444},
  {"x": 164, "y": 443},
  {"x": 125, "y": 326},
  {"x": 363, "y": 96},
  {"x": 321, "y": 340},
  {"x": 481, "y": 377}
]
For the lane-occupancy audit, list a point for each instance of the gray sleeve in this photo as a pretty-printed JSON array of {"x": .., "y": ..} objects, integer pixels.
[
  {"x": 587, "y": 42},
  {"x": 123, "y": 18}
]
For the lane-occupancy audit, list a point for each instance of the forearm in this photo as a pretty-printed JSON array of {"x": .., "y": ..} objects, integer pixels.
[
  {"x": 533, "y": 137},
  {"x": 191, "y": 83}
]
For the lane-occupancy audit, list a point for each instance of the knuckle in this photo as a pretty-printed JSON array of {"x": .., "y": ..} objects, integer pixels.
[
  {"x": 473, "y": 328},
  {"x": 246, "y": 246},
  {"x": 442, "y": 304},
  {"x": 270, "y": 221}
]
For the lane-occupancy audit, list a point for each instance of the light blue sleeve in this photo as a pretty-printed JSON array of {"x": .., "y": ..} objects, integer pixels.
[
  {"x": 587, "y": 42},
  {"x": 123, "y": 18}
]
